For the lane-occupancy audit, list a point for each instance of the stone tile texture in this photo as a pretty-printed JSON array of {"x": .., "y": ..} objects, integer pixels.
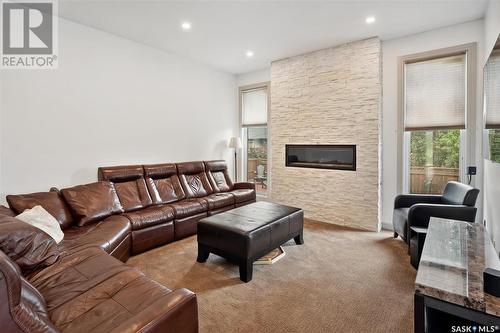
[{"x": 330, "y": 96}]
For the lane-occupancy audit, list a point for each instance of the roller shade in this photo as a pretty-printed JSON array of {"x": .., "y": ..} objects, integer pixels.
[
  {"x": 435, "y": 93},
  {"x": 492, "y": 90},
  {"x": 254, "y": 107}
]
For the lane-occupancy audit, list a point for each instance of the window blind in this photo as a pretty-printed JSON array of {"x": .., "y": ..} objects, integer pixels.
[
  {"x": 254, "y": 107},
  {"x": 435, "y": 93},
  {"x": 492, "y": 90}
]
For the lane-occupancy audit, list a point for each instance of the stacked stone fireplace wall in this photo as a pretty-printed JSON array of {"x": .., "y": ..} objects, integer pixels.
[{"x": 331, "y": 96}]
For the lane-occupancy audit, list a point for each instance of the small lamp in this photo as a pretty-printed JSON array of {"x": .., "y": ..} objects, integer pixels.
[{"x": 235, "y": 142}]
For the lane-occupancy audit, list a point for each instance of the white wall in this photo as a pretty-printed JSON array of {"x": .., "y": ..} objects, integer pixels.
[
  {"x": 259, "y": 76},
  {"x": 492, "y": 170},
  {"x": 491, "y": 27},
  {"x": 391, "y": 50},
  {"x": 112, "y": 101}
]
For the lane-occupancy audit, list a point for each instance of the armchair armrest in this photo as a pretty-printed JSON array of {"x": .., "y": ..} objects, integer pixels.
[
  {"x": 408, "y": 200},
  {"x": 244, "y": 186},
  {"x": 420, "y": 214},
  {"x": 176, "y": 312}
]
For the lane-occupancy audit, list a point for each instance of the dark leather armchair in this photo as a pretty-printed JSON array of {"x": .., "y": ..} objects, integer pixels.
[{"x": 414, "y": 210}]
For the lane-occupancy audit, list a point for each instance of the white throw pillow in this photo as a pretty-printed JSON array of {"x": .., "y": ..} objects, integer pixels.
[{"x": 41, "y": 219}]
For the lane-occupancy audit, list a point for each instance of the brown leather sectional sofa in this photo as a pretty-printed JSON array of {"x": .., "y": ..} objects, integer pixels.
[
  {"x": 164, "y": 202},
  {"x": 130, "y": 209}
]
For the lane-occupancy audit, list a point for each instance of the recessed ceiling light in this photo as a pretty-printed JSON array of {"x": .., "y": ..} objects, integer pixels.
[
  {"x": 186, "y": 26},
  {"x": 370, "y": 19},
  {"x": 249, "y": 54}
]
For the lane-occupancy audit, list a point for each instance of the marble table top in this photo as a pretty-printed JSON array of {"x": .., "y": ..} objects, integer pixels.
[{"x": 451, "y": 268}]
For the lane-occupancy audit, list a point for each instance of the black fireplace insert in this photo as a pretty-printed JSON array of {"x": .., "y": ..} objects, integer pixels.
[{"x": 340, "y": 157}]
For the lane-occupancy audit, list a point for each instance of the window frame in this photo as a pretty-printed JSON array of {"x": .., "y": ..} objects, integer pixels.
[
  {"x": 242, "y": 165},
  {"x": 470, "y": 107}
]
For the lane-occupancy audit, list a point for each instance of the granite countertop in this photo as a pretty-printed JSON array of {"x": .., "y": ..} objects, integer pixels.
[{"x": 451, "y": 268}]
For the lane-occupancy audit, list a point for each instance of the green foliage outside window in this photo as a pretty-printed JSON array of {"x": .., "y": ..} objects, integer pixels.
[
  {"x": 257, "y": 152},
  {"x": 494, "y": 144},
  {"x": 439, "y": 148}
]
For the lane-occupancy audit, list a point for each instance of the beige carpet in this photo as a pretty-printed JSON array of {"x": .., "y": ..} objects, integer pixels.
[{"x": 340, "y": 280}]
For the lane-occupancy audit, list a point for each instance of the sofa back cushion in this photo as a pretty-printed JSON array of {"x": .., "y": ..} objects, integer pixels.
[
  {"x": 129, "y": 184},
  {"x": 7, "y": 211},
  {"x": 92, "y": 202},
  {"x": 163, "y": 183},
  {"x": 194, "y": 180},
  {"x": 456, "y": 193},
  {"x": 22, "y": 304},
  {"x": 51, "y": 201},
  {"x": 133, "y": 195},
  {"x": 29, "y": 247},
  {"x": 218, "y": 176},
  {"x": 121, "y": 173}
]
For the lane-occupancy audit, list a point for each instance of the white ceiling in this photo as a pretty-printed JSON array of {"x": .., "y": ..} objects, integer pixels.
[{"x": 222, "y": 31}]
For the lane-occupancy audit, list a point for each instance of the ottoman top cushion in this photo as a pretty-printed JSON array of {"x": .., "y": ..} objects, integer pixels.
[{"x": 245, "y": 219}]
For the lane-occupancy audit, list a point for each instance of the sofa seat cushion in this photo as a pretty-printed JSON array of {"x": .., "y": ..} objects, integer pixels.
[
  {"x": 188, "y": 207},
  {"x": 243, "y": 195},
  {"x": 219, "y": 200},
  {"x": 108, "y": 305},
  {"x": 150, "y": 216},
  {"x": 73, "y": 274},
  {"x": 400, "y": 221},
  {"x": 89, "y": 290},
  {"x": 106, "y": 234}
]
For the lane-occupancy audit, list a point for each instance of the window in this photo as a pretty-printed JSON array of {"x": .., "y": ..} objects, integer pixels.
[
  {"x": 254, "y": 106},
  {"x": 492, "y": 106},
  {"x": 491, "y": 88},
  {"x": 435, "y": 105},
  {"x": 493, "y": 150},
  {"x": 434, "y": 159}
]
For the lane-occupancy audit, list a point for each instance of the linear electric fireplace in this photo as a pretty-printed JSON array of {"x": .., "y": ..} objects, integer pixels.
[{"x": 341, "y": 157}]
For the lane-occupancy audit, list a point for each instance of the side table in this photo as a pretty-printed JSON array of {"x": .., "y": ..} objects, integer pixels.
[{"x": 416, "y": 244}]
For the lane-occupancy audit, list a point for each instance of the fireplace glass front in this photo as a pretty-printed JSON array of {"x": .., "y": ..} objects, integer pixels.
[{"x": 341, "y": 157}]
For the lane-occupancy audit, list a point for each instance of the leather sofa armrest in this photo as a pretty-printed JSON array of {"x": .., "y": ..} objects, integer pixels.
[
  {"x": 6, "y": 211},
  {"x": 176, "y": 312},
  {"x": 408, "y": 200},
  {"x": 420, "y": 214},
  {"x": 244, "y": 186}
]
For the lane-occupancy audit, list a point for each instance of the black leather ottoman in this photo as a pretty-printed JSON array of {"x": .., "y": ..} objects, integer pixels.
[{"x": 245, "y": 234}]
